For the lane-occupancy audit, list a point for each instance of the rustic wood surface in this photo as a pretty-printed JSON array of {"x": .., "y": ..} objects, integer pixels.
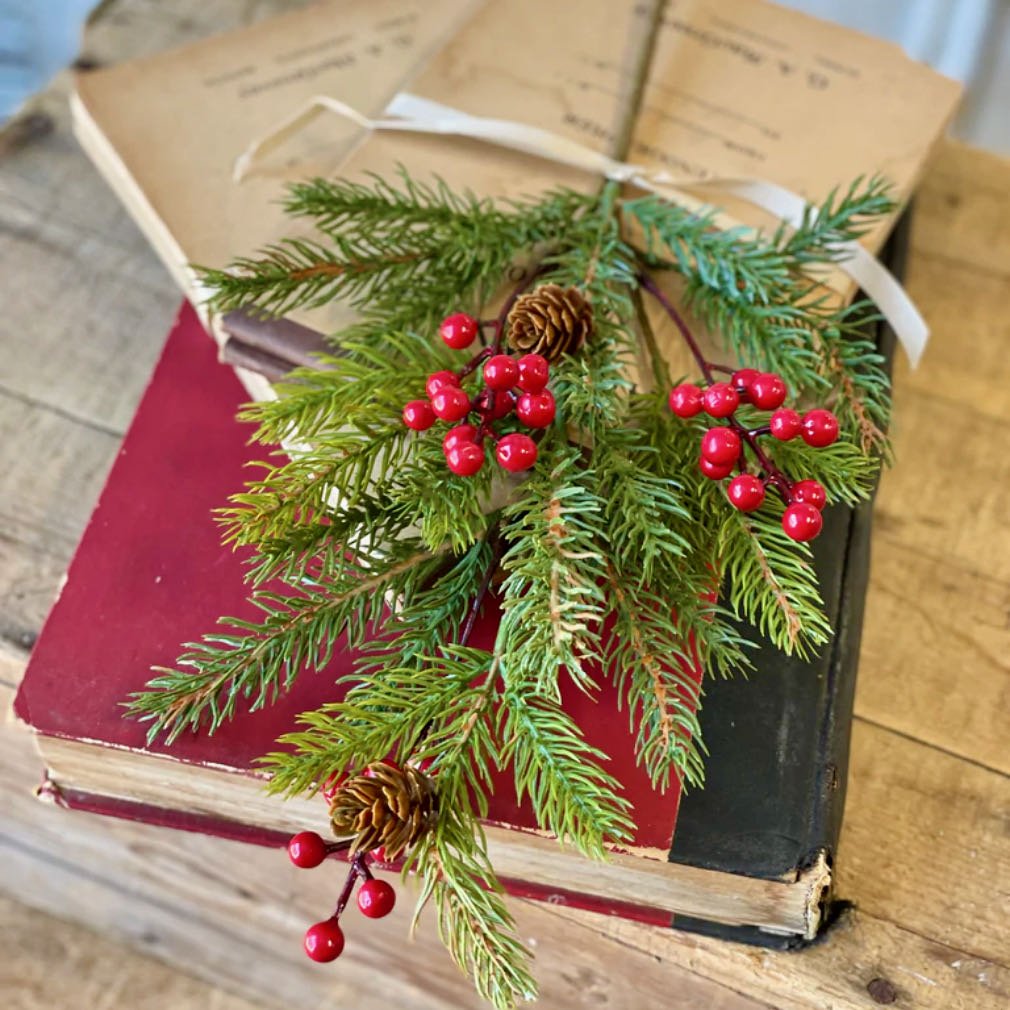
[{"x": 925, "y": 855}]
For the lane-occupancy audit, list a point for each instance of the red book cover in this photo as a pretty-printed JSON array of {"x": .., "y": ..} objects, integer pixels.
[{"x": 150, "y": 574}]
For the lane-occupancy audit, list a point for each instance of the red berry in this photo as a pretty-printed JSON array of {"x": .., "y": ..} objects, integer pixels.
[
  {"x": 536, "y": 409},
  {"x": 418, "y": 415},
  {"x": 720, "y": 446},
  {"x": 450, "y": 403},
  {"x": 810, "y": 492},
  {"x": 746, "y": 492},
  {"x": 820, "y": 428},
  {"x": 379, "y": 854},
  {"x": 461, "y": 433},
  {"x": 306, "y": 849},
  {"x": 767, "y": 391},
  {"x": 714, "y": 470},
  {"x": 458, "y": 330},
  {"x": 465, "y": 458},
  {"x": 495, "y": 404},
  {"x": 785, "y": 424},
  {"x": 802, "y": 521},
  {"x": 534, "y": 371},
  {"x": 376, "y": 898},
  {"x": 516, "y": 452},
  {"x": 720, "y": 399},
  {"x": 439, "y": 379},
  {"x": 685, "y": 400},
  {"x": 501, "y": 372},
  {"x": 324, "y": 941},
  {"x": 743, "y": 377}
]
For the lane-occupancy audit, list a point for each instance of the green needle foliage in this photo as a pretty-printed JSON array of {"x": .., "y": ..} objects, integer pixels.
[{"x": 613, "y": 558}]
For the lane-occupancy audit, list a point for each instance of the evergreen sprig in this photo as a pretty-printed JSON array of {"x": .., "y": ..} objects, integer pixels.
[{"x": 614, "y": 559}]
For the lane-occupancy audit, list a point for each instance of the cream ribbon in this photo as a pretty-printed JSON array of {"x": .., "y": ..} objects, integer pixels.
[{"x": 412, "y": 114}]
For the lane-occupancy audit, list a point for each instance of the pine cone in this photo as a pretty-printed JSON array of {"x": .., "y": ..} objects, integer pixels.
[
  {"x": 550, "y": 320},
  {"x": 388, "y": 806}
]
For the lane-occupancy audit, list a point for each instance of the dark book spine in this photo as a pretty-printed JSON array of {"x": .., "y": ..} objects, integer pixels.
[{"x": 774, "y": 796}]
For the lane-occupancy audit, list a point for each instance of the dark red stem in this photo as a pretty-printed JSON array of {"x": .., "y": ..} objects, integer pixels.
[{"x": 358, "y": 869}]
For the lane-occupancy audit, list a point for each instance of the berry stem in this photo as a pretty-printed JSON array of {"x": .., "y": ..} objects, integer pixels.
[
  {"x": 773, "y": 475},
  {"x": 495, "y": 542},
  {"x": 648, "y": 284},
  {"x": 358, "y": 869},
  {"x": 474, "y": 363}
]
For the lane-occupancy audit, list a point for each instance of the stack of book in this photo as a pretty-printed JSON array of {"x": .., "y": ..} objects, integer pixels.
[{"x": 749, "y": 856}]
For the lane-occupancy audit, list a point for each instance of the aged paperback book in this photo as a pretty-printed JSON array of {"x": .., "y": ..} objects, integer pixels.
[{"x": 739, "y": 89}]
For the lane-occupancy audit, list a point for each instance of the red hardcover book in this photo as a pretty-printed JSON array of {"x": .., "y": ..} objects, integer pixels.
[{"x": 150, "y": 573}]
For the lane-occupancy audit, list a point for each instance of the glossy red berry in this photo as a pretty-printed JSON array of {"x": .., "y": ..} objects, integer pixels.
[
  {"x": 496, "y": 404},
  {"x": 767, "y": 391},
  {"x": 714, "y": 470},
  {"x": 501, "y": 372},
  {"x": 306, "y": 849},
  {"x": 820, "y": 428},
  {"x": 743, "y": 377},
  {"x": 810, "y": 492},
  {"x": 685, "y": 400},
  {"x": 720, "y": 446},
  {"x": 720, "y": 399},
  {"x": 376, "y": 898},
  {"x": 450, "y": 403},
  {"x": 516, "y": 452},
  {"x": 418, "y": 415},
  {"x": 534, "y": 371},
  {"x": 324, "y": 941},
  {"x": 746, "y": 492},
  {"x": 458, "y": 330},
  {"x": 437, "y": 380},
  {"x": 536, "y": 409},
  {"x": 465, "y": 458},
  {"x": 802, "y": 521},
  {"x": 785, "y": 424},
  {"x": 461, "y": 433}
]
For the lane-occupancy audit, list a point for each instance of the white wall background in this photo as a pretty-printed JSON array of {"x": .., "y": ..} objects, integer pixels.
[{"x": 965, "y": 39}]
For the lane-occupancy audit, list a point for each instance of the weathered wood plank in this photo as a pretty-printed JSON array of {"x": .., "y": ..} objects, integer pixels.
[
  {"x": 963, "y": 209},
  {"x": 925, "y": 842},
  {"x": 934, "y": 663},
  {"x": 52, "y": 473},
  {"x": 928, "y": 919},
  {"x": 83, "y": 969}
]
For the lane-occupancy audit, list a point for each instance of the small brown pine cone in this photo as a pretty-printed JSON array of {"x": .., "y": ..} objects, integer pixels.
[
  {"x": 550, "y": 320},
  {"x": 385, "y": 805}
]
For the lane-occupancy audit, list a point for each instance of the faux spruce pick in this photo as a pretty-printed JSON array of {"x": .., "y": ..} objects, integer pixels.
[{"x": 462, "y": 443}]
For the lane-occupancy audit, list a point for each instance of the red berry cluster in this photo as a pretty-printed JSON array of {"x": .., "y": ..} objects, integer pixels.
[
  {"x": 510, "y": 384},
  {"x": 722, "y": 448},
  {"x": 324, "y": 941}
]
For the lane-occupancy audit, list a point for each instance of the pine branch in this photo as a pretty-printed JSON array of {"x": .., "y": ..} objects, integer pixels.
[
  {"x": 259, "y": 661},
  {"x": 473, "y": 920},
  {"x": 770, "y": 581},
  {"x": 552, "y": 600},
  {"x": 572, "y": 796},
  {"x": 654, "y": 666}
]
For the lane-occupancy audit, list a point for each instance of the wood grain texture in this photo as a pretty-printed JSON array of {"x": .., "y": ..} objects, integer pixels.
[{"x": 925, "y": 852}]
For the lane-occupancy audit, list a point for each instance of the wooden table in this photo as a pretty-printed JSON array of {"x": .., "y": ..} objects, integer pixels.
[{"x": 925, "y": 855}]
